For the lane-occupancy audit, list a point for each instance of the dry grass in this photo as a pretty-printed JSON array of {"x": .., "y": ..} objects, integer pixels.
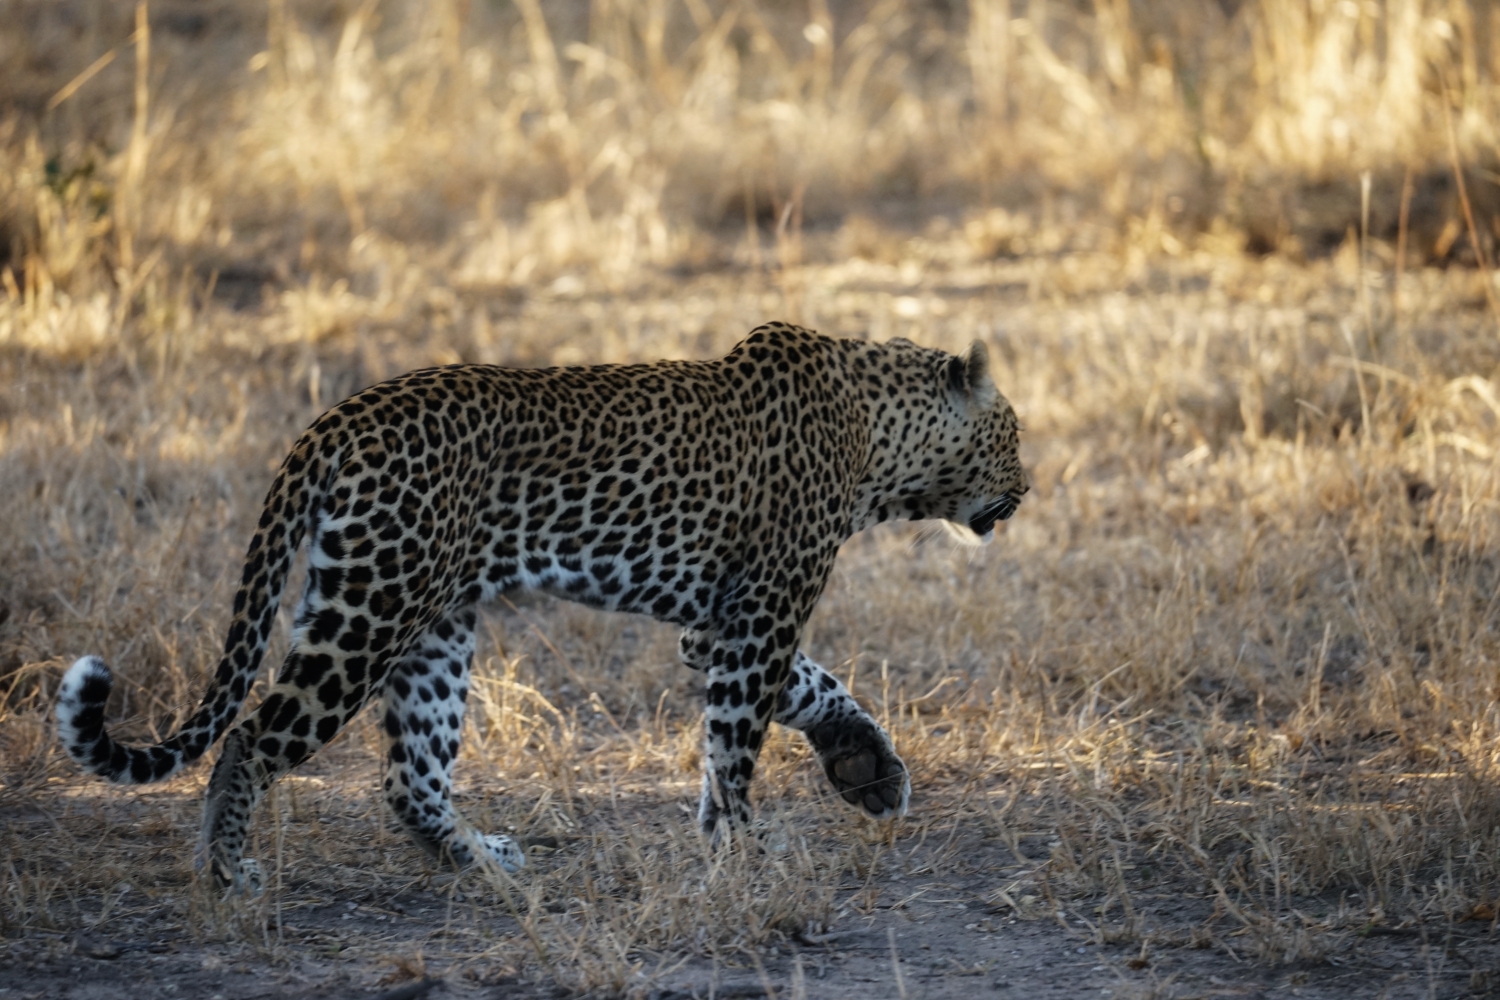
[{"x": 1242, "y": 647}]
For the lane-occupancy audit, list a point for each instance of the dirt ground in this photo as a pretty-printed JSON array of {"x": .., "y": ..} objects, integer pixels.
[
  {"x": 943, "y": 909},
  {"x": 940, "y": 953},
  {"x": 921, "y": 928}
]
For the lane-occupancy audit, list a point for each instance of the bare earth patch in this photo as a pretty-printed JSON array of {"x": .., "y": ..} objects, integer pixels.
[{"x": 936, "y": 907}]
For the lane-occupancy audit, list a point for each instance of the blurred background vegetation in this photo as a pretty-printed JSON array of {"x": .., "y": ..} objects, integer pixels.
[{"x": 489, "y": 145}]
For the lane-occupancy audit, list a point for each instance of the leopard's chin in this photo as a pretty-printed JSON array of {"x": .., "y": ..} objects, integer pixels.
[
  {"x": 965, "y": 534},
  {"x": 983, "y": 526}
]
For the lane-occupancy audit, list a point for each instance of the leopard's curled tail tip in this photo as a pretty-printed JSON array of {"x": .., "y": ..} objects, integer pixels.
[
  {"x": 80, "y": 712},
  {"x": 80, "y": 726}
]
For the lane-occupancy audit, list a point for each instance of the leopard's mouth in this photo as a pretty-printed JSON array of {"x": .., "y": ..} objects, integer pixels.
[{"x": 1001, "y": 509}]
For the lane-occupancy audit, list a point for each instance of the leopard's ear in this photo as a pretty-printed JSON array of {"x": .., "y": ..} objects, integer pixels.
[{"x": 969, "y": 375}]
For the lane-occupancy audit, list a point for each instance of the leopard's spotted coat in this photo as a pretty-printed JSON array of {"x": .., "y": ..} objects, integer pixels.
[{"x": 709, "y": 494}]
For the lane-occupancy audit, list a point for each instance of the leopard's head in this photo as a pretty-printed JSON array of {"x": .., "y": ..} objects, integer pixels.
[
  {"x": 943, "y": 439},
  {"x": 981, "y": 481}
]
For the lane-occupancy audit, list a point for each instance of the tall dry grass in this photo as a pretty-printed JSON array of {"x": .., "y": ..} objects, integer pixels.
[
  {"x": 394, "y": 147},
  {"x": 1241, "y": 645}
]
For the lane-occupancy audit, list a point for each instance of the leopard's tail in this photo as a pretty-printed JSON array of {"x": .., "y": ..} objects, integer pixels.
[{"x": 293, "y": 501}]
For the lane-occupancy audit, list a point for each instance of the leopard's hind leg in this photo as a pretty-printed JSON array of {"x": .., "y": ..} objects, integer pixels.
[
  {"x": 320, "y": 688},
  {"x": 422, "y": 715}
]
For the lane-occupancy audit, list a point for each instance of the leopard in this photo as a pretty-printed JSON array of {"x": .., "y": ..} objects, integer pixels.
[{"x": 712, "y": 495}]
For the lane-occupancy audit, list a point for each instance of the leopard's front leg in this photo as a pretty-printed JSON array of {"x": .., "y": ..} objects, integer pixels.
[
  {"x": 749, "y": 664},
  {"x": 856, "y": 752}
]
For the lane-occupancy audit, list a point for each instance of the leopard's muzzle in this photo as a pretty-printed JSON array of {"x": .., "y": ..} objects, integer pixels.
[{"x": 997, "y": 510}]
